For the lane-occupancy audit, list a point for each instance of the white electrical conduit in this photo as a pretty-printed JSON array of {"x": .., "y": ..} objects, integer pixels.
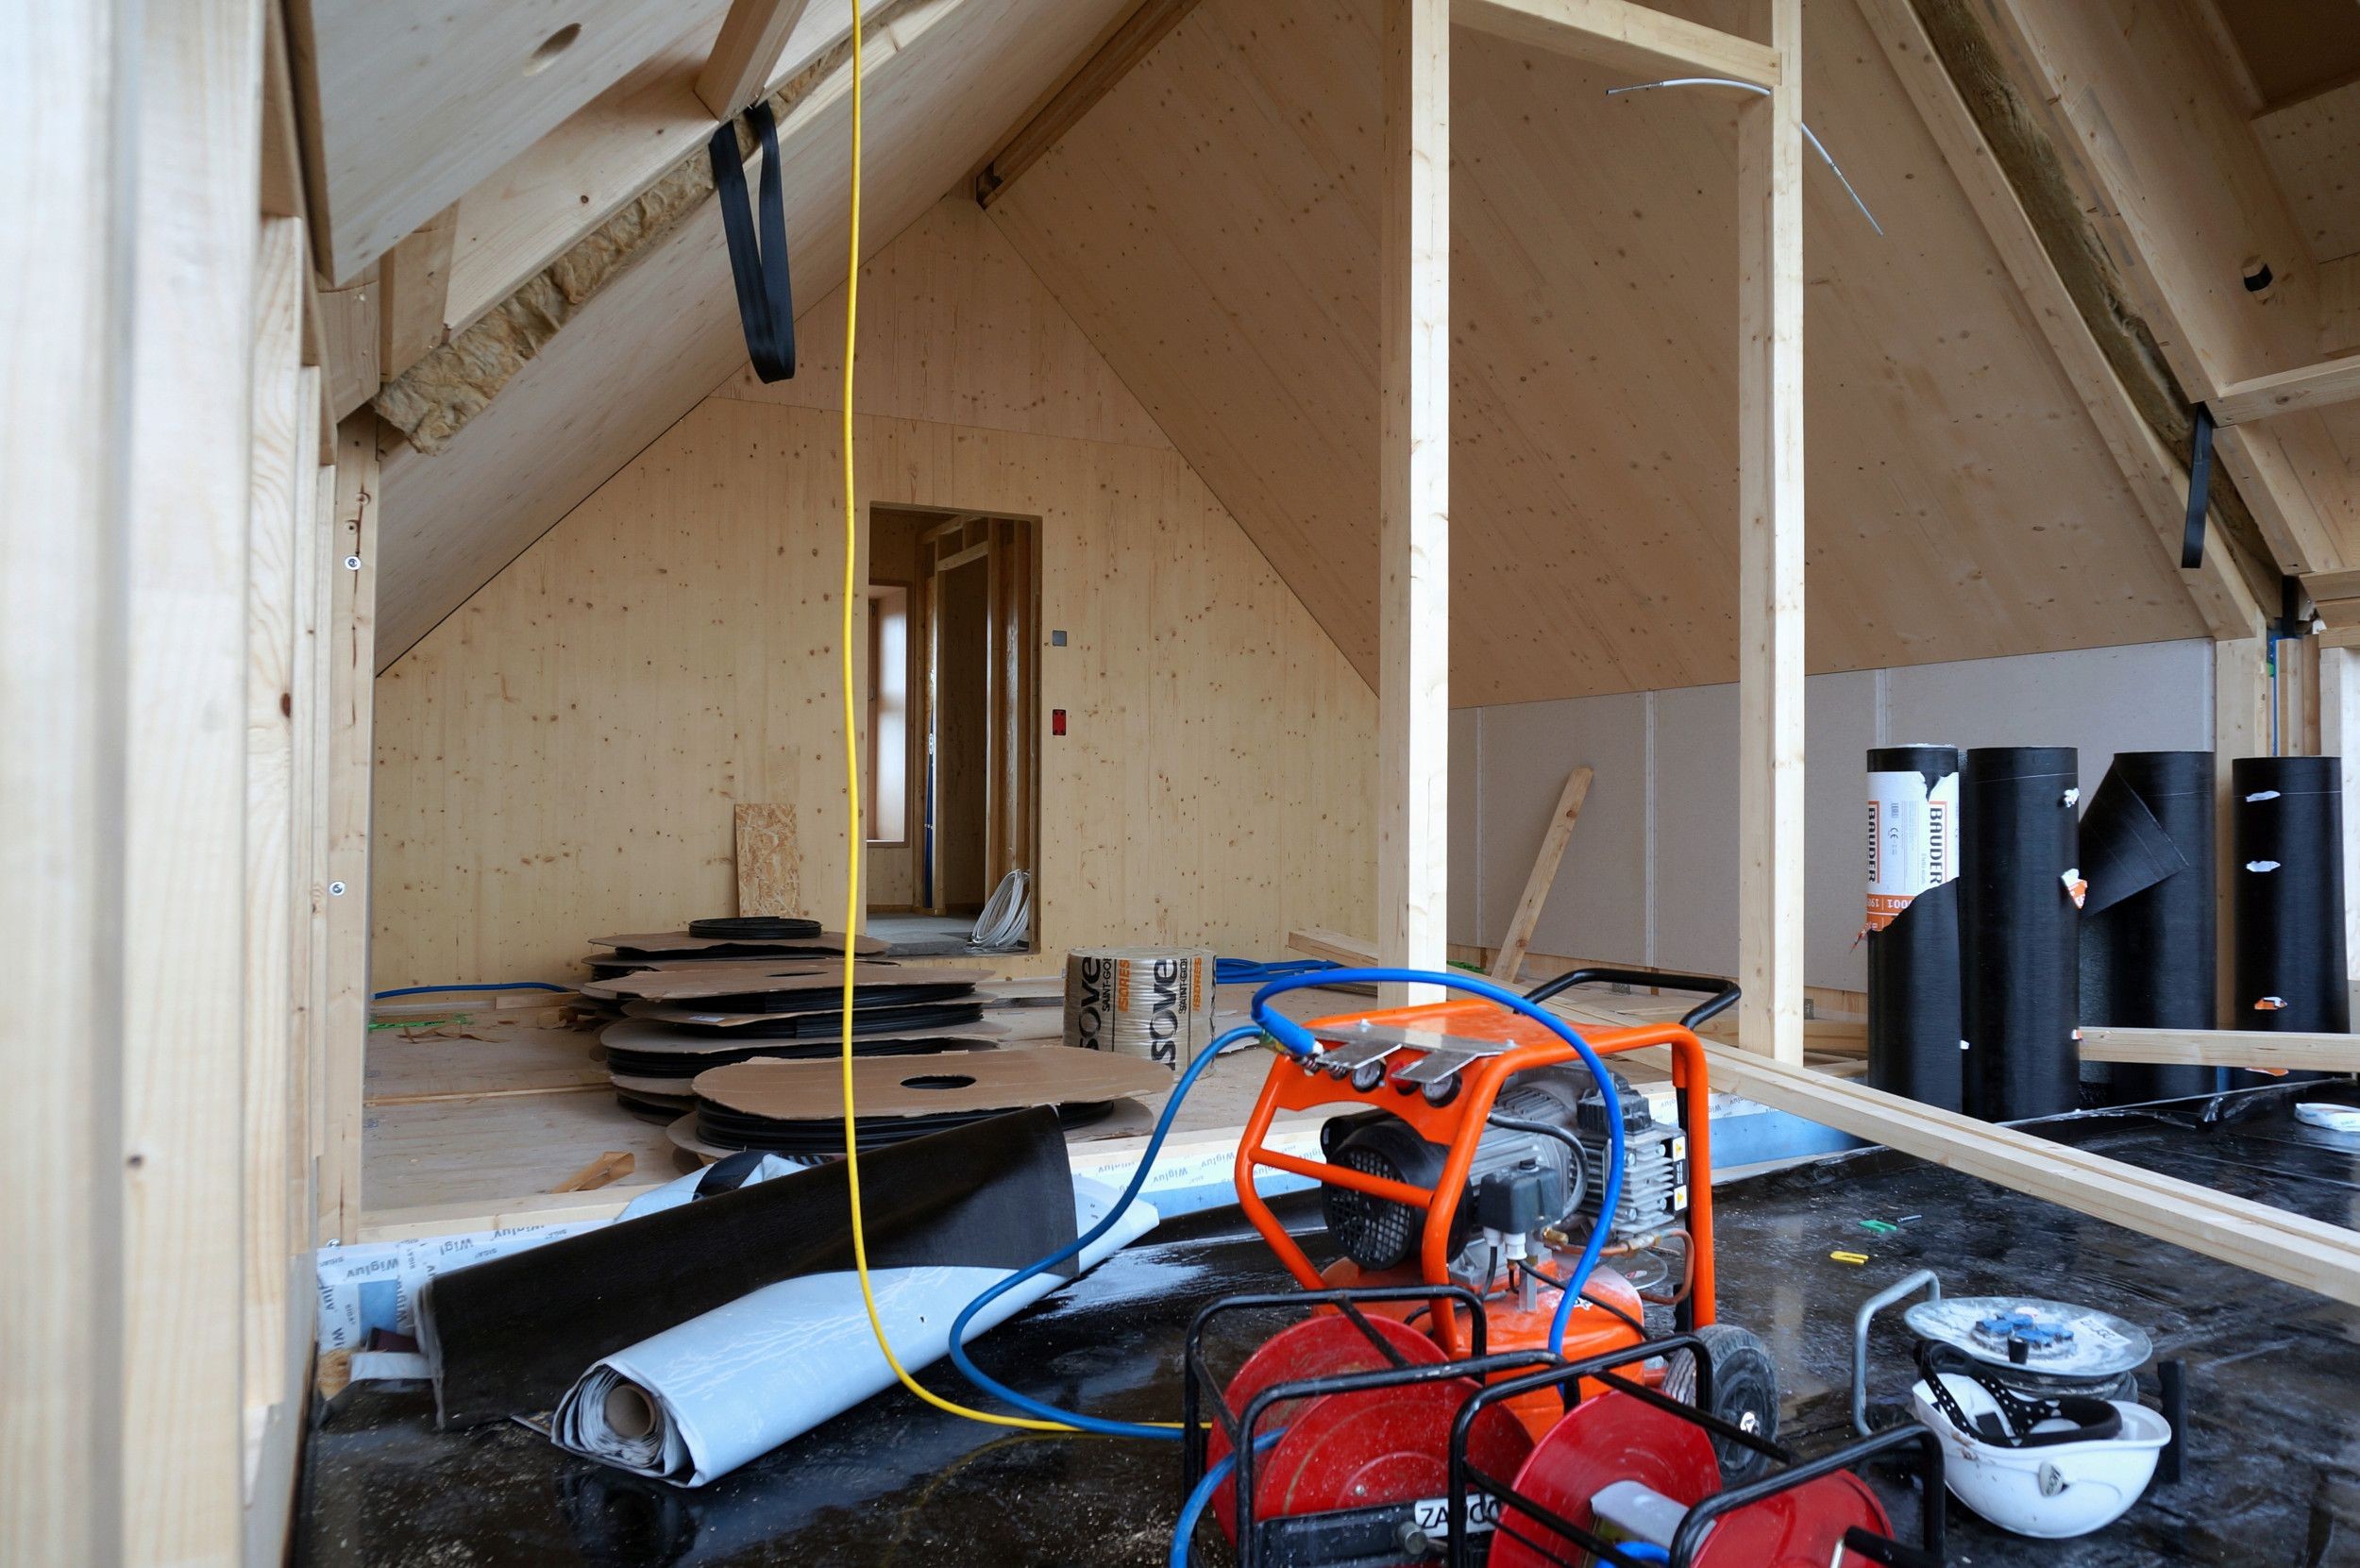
[
  {"x": 1008, "y": 917},
  {"x": 1755, "y": 87}
]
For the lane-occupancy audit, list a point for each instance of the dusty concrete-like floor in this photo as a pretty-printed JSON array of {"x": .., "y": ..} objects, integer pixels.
[{"x": 2274, "y": 1387}]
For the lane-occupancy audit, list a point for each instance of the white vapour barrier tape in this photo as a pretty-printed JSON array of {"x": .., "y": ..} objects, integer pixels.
[
  {"x": 695, "y": 1402},
  {"x": 376, "y": 1285}
]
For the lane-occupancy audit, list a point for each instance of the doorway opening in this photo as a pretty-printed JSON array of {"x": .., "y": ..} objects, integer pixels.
[{"x": 954, "y": 757}]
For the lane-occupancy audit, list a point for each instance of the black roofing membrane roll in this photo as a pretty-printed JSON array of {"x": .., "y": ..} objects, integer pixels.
[
  {"x": 511, "y": 1335},
  {"x": 2286, "y": 862},
  {"x": 2019, "y": 931},
  {"x": 1913, "y": 925},
  {"x": 2147, "y": 956}
]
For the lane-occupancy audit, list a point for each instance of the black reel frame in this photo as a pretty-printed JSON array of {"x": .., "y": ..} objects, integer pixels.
[
  {"x": 1911, "y": 1439},
  {"x": 1384, "y": 1533}
]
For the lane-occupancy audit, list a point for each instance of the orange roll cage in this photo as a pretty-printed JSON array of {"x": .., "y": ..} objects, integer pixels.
[{"x": 1296, "y": 1083}]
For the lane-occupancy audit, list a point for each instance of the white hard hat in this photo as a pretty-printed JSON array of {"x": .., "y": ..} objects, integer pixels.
[{"x": 2050, "y": 1468}]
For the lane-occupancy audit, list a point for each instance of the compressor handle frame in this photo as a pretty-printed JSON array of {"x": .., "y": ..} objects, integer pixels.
[
  {"x": 1458, "y": 1124},
  {"x": 1722, "y": 993}
]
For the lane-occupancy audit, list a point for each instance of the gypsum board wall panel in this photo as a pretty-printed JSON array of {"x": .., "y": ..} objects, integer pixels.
[
  {"x": 681, "y": 944},
  {"x": 797, "y": 985},
  {"x": 511, "y": 1335},
  {"x": 670, "y": 1074},
  {"x": 756, "y": 928},
  {"x": 648, "y": 1037},
  {"x": 1912, "y": 959},
  {"x": 2019, "y": 932},
  {"x": 1913, "y": 1001},
  {"x": 2147, "y": 954},
  {"x": 2286, "y": 857},
  {"x": 823, "y": 1137}
]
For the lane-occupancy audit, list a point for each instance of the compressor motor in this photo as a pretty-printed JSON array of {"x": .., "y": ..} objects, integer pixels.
[{"x": 1538, "y": 1175}]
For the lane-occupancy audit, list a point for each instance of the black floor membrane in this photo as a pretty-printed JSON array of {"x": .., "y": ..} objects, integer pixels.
[
  {"x": 510, "y": 1335},
  {"x": 2273, "y": 1477}
]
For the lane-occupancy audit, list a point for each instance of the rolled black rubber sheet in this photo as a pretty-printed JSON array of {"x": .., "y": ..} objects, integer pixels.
[
  {"x": 512, "y": 1335},
  {"x": 1913, "y": 931},
  {"x": 2019, "y": 931},
  {"x": 2147, "y": 959},
  {"x": 2287, "y": 854}
]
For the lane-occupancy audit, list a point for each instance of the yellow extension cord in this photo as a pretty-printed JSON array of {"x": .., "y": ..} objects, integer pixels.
[{"x": 852, "y": 795}]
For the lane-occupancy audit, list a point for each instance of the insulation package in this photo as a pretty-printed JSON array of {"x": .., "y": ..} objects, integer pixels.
[
  {"x": 1913, "y": 925},
  {"x": 2147, "y": 959},
  {"x": 697, "y": 1400},
  {"x": 2019, "y": 931},
  {"x": 1152, "y": 1002},
  {"x": 2287, "y": 854}
]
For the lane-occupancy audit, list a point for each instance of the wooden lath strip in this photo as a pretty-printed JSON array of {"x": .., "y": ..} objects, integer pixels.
[
  {"x": 1125, "y": 48},
  {"x": 2313, "y": 386},
  {"x": 2269, "y": 1240},
  {"x": 1633, "y": 38}
]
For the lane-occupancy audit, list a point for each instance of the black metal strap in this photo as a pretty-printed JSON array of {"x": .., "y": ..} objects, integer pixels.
[
  {"x": 765, "y": 299},
  {"x": 2199, "y": 489}
]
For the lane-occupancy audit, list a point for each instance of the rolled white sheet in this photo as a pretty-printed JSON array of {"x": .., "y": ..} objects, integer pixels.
[{"x": 695, "y": 1402}]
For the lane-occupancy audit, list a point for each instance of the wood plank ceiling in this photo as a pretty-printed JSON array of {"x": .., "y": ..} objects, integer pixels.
[
  {"x": 1212, "y": 225},
  {"x": 662, "y": 334}
]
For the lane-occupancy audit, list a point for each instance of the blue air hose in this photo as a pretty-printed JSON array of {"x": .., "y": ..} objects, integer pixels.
[
  {"x": 1193, "y": 1509},
  {"x": 1139, "y": 1178},
  {"x": 1287, "y": 1031}
]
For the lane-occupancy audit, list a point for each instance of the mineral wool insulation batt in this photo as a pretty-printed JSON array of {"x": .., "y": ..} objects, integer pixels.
[
  {"x": 1155, "y": 1004},
  {"x": 1913, "y": 934},
  {"x": 2019, "y": 931},
  {"x": 2147, "y": 960},
  {"x": 2287, "y": 854}
]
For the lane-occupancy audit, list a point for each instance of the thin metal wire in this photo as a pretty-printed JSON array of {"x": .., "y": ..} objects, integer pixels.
[{"x": 1821, "y": 148}]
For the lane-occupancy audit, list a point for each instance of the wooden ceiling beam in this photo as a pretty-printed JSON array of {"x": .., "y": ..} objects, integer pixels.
[
  {"x": 2178, "y": 188},
  {"x": 1113, "y": 58},
  {"x": 753, "y": 36},
  {"x": 2313, "y": 386},
  {"x": 2070, "y": 323},
  {"x": 1628, "y": 37},
  {"x": 413, "y": 291}
]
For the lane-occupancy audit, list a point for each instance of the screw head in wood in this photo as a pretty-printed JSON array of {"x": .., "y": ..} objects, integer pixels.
[{"x": 335, "y": 890}]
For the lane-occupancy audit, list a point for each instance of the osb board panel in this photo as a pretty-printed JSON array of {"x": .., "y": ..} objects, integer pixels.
[
  {"x": 769, "y": 874},
  {"x": 562, "y": 757},
  {"x": 957, "y": 329},
  {"x": 661, "y": 336},
  {"x": 1211, "y": 225}
]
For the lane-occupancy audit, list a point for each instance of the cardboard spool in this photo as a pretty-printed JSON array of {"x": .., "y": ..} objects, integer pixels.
[
  {"x": 688, "y": 982},
  {"x": 1001, "y": 1080},
  {"x": 680, "y": 944}
]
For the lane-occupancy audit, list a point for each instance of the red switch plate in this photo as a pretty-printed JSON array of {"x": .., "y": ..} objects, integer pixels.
[{"x": 1057, "y": 721}]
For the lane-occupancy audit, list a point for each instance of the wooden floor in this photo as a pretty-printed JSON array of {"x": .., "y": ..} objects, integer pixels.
[{"x": 472, "y": 1124}]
